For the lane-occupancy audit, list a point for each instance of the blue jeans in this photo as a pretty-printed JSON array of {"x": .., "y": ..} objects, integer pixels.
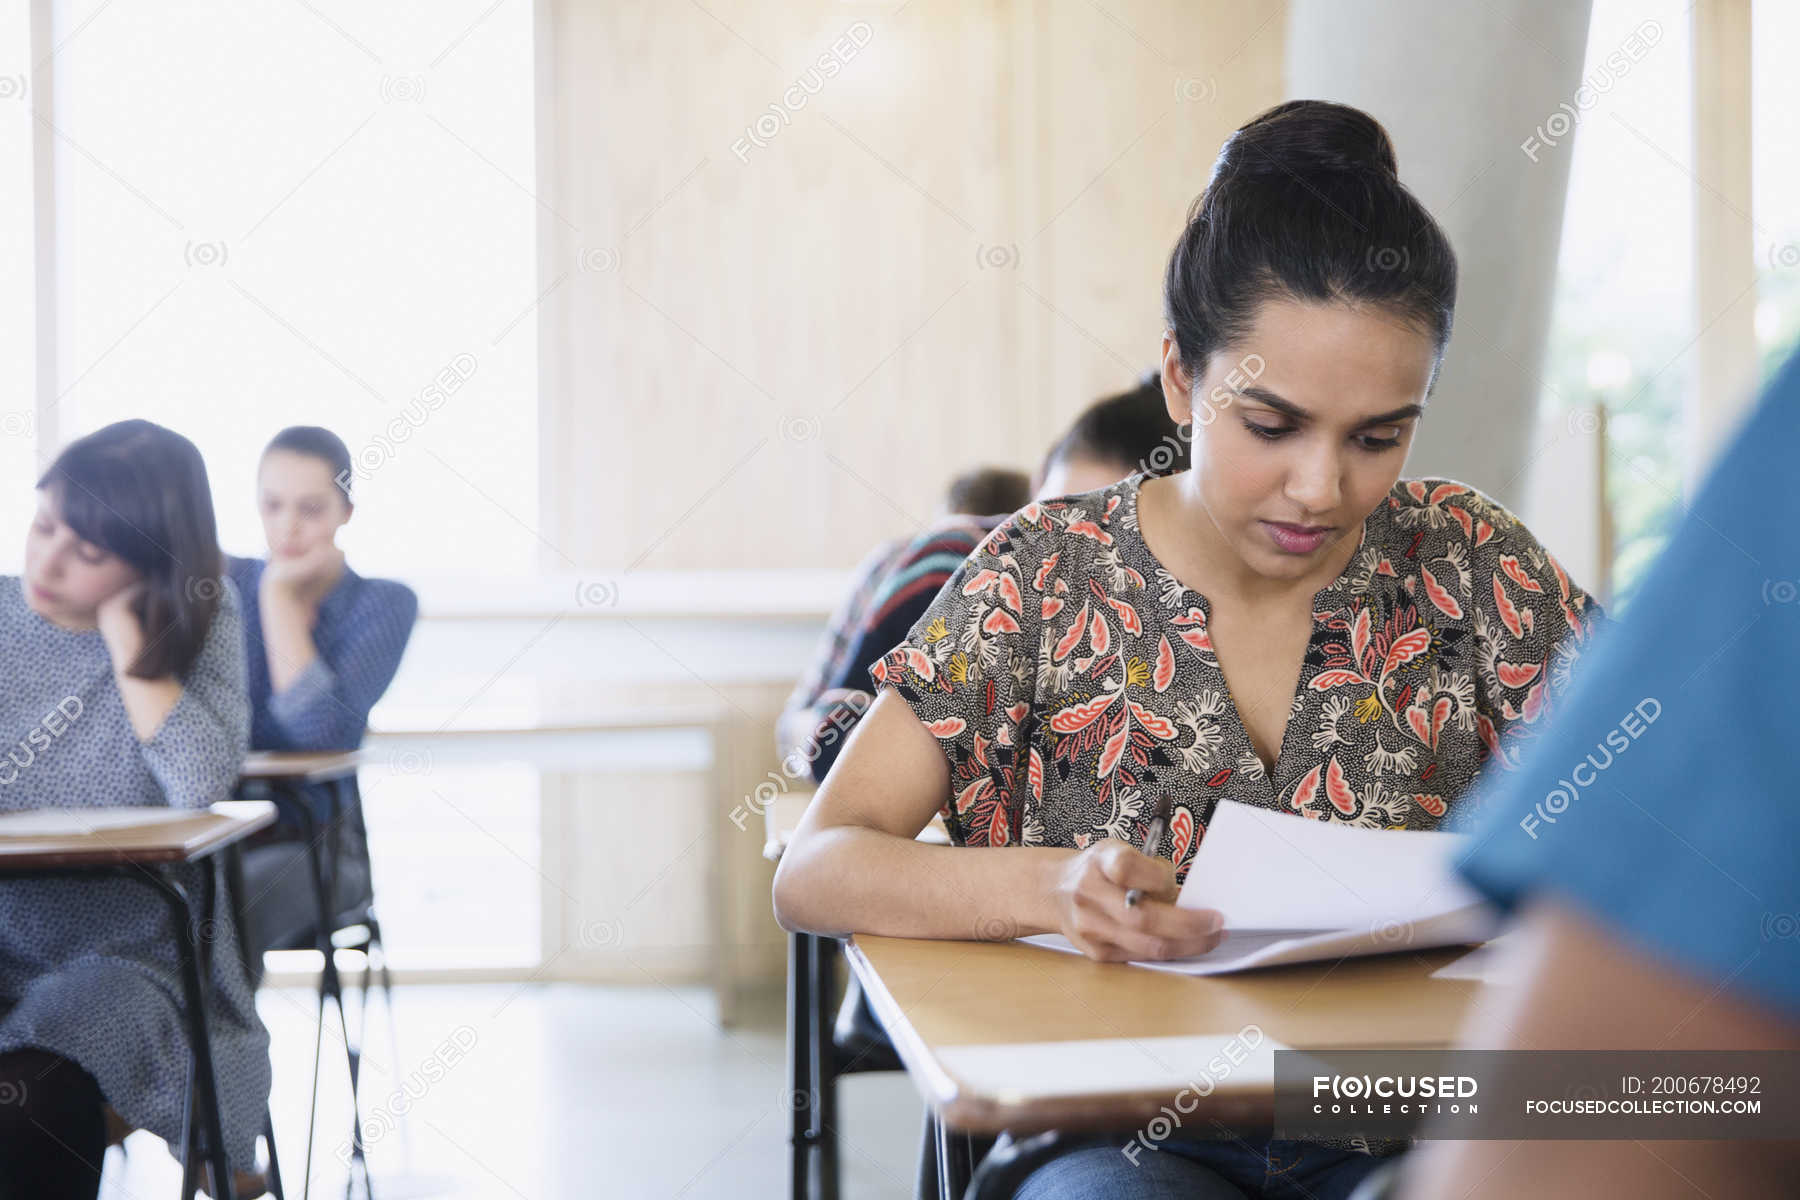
[{"x": 1185, "y": 1169}]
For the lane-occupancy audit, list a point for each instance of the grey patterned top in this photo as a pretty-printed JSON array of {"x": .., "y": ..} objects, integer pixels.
[{"x": 88, "y": 966}]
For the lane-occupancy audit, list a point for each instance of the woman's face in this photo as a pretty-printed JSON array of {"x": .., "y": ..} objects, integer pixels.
[
  {"x": 302, "y": 506},
  {"x": 66, "y": 577},
  {"x": 1300, "y": 431}
]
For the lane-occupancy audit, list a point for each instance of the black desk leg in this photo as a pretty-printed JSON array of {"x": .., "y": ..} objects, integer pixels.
[
  {"x": 824, "y": 1066},
  {"x": 955, "y": 1162},
  {"x": 324, "y": 883},
  {"x": 206, "y": 1080},
  {"x": 799, "y": 1064}
]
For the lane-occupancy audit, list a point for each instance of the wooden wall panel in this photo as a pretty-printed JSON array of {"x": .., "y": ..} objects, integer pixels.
[{"x": 774, "y": 355}]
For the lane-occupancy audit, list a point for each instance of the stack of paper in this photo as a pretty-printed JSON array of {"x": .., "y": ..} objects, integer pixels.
[
  {"x": 1296, "y": 890},
  {"x": 73, "y": 822}
]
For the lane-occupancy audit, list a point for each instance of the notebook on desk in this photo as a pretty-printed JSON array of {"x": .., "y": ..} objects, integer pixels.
[
  {"x": 78, "y": 822},
  {"x": 1295, "y": 890}
]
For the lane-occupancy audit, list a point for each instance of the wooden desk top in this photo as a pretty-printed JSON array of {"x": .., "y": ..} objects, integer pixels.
[
  {"x": 940, "y": 999},
  {"x": 389, "y": 721},
  {"x": 183, "y": 840},
  {"x": 312, "y": 766}
]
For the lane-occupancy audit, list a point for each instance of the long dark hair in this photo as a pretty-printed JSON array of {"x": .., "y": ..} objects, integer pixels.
[
  {"x": 1305, "y": 202},
  {"x": 139, "y": 491}
]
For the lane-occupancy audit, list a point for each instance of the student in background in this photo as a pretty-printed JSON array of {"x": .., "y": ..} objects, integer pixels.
[
  {"x": 123, "y": 657},
  {"x": 821, "y": 694},
  {"x": 1290, "y": 624},
  {"x": 1111, "y": 438},
  {"x": 1660, "y": 906},
  {"x": 322, "y": 643}
]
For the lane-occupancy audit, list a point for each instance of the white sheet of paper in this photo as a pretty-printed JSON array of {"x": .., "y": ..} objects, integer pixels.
[
  {"x": 1244, "y": 949},
  {"x": 72, "y": 822},
  {"x": 1270, "y": 870},
  {"x": 1298, "y": 890}
]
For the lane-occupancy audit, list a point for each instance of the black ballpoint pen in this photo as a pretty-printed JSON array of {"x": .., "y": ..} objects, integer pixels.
[{"x": 1159, "y": 821}]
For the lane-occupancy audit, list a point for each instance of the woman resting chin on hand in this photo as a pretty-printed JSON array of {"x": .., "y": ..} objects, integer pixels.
[{"x": 123, "y": 655}]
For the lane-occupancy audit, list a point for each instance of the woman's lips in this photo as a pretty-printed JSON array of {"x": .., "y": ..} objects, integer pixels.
[{"x": 1297, "y": 539}]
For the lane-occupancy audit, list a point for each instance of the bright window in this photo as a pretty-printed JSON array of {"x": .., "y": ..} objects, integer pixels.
[
  {"x": 321, "y": 214},
  {"x": 1624, "y": 282},
  {"x": 284, "y": 214},
  {"x": 1775, "y": 194}
]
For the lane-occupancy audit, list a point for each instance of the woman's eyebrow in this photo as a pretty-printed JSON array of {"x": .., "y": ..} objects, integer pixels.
[{"x": 1281, "y": 405}]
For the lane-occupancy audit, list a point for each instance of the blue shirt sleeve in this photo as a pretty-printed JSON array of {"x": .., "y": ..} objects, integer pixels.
[
  {"x": 1661, "y": 802},
  {"x": 326, "y": 707}
]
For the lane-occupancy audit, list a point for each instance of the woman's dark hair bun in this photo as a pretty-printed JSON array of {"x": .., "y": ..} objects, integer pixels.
[
  {"x": 1304, "y": 135},
  {"x": 1305, "y": 203}
]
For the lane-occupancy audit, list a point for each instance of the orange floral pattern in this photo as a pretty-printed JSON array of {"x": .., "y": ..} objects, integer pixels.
[{"x": 1069, "y": 678}]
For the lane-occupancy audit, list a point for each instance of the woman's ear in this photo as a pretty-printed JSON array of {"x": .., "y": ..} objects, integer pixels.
[{"x": 1178, "y": 389}]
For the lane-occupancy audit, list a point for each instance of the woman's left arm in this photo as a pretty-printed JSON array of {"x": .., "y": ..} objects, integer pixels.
[
  {"x": 1533, "y": 624},
  {"x": 326, "y": 707},
  {"x": 148, "y": 702},
  {"x": 193, "y": 732}
]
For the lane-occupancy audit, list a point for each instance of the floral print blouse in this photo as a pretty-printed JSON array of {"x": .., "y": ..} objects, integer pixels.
[{"x": 1070, "y": 679}]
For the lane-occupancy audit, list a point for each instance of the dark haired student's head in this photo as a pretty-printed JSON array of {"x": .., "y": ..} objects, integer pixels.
[
  {"x": 987, "y": 490},
  {"x": 1308, "y": 304},
  {"x": 128, "y": 504},
  {"x": 1114, "y": 437},
  {"x": 303, "y": 490}
]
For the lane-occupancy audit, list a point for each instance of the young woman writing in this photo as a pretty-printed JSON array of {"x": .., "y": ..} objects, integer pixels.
[{"x": 1290, "y": 623}]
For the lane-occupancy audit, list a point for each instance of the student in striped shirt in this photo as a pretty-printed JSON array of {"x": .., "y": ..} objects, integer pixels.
[{"x": 1115, "y": 436}]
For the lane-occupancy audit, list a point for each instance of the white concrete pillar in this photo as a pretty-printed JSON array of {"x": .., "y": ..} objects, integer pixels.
[{"x": 1460, "y": 87}]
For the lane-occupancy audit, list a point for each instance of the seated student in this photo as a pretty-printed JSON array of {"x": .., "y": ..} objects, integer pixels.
[
  {"x": 1290, "y": 624},
  {"x": 1112, "y": 438},
  {"x": 1660, "y": 904},
  {"x": 816, "y": 697},
  {"x": 124, "y": 667},
  {"x": 322, "y": 643}
]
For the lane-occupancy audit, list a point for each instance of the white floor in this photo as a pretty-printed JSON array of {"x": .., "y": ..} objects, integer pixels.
[{"x": 548, "y": 1091}]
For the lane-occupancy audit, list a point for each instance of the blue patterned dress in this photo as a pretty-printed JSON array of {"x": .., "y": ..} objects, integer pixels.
[
  {"x": 88, "y": 966},
  {"x": 361, "y": 634}
]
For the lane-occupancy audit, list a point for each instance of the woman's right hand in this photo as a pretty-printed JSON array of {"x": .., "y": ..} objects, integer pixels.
[{"x": 1090, "y": 903}]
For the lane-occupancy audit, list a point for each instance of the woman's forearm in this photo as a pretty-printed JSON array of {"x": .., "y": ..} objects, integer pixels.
[
  {"x": 851, "y": 879},
  {"x": 148, "y": 702},
  {"x": 287, "y": 637}
]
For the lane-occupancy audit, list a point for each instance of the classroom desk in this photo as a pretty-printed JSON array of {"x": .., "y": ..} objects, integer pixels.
[
  {"x": 940, "y": 999},
  {"x": 286, "y": 773},
  {"x": 143, "y": 854},
  {"x": 300, "y": 766},
  {"x": 813, "y": 1057}
]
